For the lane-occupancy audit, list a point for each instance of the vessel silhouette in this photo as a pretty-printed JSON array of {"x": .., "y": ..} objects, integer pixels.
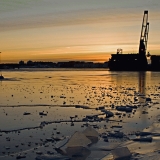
[{"x": 133, "y": 61}]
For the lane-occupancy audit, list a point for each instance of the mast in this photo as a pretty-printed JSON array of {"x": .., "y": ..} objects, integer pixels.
[{"x": 144, "y": 34}]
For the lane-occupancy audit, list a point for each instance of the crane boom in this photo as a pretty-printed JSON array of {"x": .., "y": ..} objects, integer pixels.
[{"x": 144, "y": 34}]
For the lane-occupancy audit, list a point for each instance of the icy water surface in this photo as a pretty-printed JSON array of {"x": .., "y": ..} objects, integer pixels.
[
  {"x": 71, "y": 87},
  {"x": 40, "y": 109}
]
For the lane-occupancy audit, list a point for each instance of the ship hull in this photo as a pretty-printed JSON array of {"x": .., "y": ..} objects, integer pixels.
[{"x": 128, "y": 62}]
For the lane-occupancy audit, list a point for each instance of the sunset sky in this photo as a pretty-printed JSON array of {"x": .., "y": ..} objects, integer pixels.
[{"x": 63, "y": 30}]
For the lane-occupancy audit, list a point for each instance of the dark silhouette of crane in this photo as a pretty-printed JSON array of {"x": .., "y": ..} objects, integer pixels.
[
  {"x": 144, "y": 34},
  {"x": 133, "y": 61}
]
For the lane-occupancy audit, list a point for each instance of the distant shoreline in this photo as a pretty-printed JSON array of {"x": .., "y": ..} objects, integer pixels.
[{"x": 57, "y": 69}]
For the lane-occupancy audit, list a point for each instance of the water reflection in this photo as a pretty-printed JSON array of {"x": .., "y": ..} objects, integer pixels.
[
  {"x": 142, "y": 86},
  {"x": 142, "y": 97}
]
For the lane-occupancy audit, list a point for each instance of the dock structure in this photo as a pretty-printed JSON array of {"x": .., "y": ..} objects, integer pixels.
[{"x": 155, "y": 63}]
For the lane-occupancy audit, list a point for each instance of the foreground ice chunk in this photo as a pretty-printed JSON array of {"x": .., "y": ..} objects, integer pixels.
[
  {"x": 121, "y": 153},
  {"x": 90, "y": 132},
  {"x": 78, "y": 139}
]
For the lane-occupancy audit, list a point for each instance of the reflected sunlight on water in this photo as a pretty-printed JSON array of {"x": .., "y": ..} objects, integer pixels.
[{"x": 90, "y": 87}]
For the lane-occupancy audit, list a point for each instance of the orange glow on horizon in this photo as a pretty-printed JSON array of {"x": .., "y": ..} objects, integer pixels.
[
  {"x": 82, "y": 53},
  {"x": 87, "y": 38}
]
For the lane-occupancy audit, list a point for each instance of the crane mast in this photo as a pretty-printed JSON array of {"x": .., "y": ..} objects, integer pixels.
[{"x": 144, "y": 34}]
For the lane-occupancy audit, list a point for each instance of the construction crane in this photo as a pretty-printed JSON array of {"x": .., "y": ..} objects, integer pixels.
[{"x": 144, "y": 34}]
